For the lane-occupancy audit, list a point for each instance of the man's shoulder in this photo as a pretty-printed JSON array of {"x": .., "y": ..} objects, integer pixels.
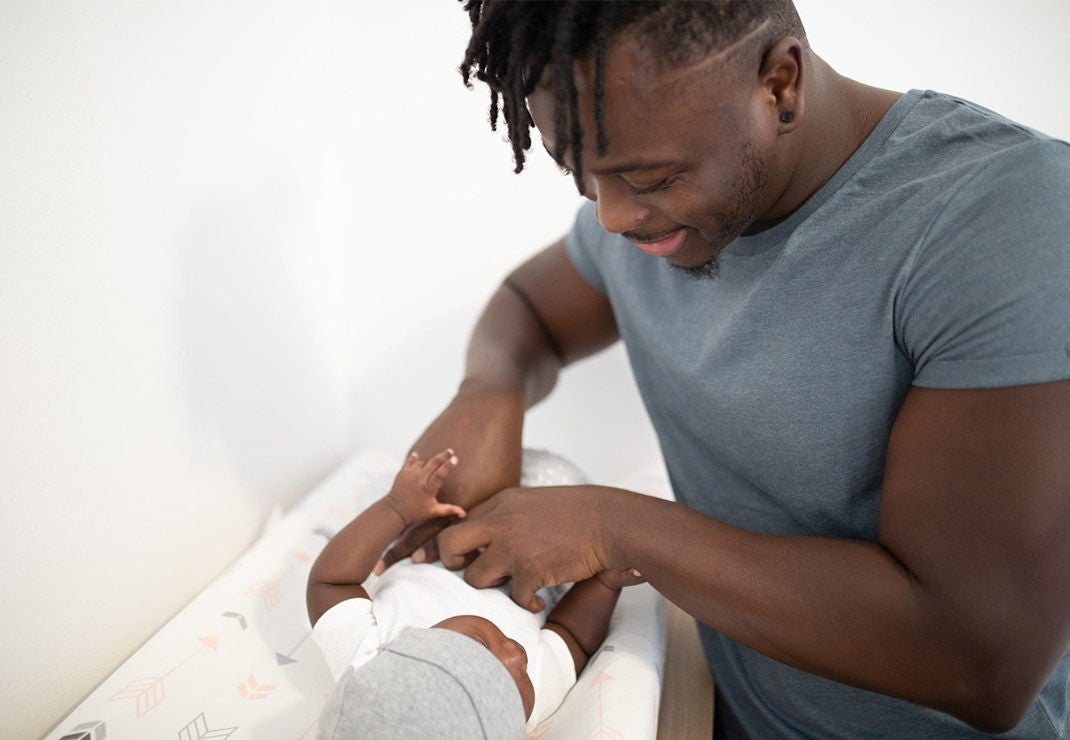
[
  {"x": 948, "y": 157},
  {"x": 953, "y": 132}
]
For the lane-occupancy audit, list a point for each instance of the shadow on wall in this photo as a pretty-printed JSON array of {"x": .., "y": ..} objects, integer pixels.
[
  {"x": 398, "y": 392},
  {"x": 256, "y": 365}
]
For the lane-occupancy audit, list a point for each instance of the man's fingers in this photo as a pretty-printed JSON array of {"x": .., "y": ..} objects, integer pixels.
[
  {"x": 464, "y": 537},
  {"x": 484, "y": 571},
  {"x": 428, "y": 553},
  {"x": 456, "y": 542},
  {"x": 412, "y": 538},
  {"x": 523, "y": 593}
]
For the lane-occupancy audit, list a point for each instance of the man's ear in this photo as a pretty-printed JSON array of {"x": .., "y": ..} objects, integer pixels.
[{"x": 780, "y": 77}]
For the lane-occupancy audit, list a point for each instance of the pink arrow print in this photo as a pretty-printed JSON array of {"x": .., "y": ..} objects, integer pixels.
[
  {"x": 307, "y": 730},
  {"x": 268, "y": 592},
  {"x": 147, "y": 692},
  {"x": 543, "y": 728},
  {"x": 253, "y": 691},
  {"x": 602, "y": 729}
]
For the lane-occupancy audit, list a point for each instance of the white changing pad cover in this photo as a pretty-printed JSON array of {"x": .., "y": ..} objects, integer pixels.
[{"x": 237, "y": 661}]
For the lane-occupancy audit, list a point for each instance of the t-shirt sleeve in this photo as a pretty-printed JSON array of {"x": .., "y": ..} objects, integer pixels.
[
  {"x": 582, "y": 243},
  {"x": 557, "y": 674},
  {"x": 987, "y": 299},
  {"x": 347, "y": 634}
]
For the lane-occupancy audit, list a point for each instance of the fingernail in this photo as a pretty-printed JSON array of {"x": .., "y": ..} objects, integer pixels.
[
  {"x": 636, "y": 573},
  {"x": 379, "y": 568},
  {"x": 453, "y": 460},
  {"x": 419, "y": 556}
]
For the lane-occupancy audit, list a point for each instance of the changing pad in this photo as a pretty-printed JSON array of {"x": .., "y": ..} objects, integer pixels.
[{"x": 237, "y": 661}]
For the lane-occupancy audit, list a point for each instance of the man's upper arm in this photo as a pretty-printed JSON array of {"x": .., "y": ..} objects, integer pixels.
[
  {"x": 578, "y": 318},
  {"x": 976, "y": 505}
]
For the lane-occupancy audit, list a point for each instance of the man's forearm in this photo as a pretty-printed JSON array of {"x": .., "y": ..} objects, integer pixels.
[
  {"x": 846, "y": 610},
  {"x": 511, "y": 350}
]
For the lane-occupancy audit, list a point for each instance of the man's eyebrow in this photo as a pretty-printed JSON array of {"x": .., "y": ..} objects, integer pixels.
[{"x": 637, "y": 165}]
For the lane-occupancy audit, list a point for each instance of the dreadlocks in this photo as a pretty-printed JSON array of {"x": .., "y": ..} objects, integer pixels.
[{"x": 514, "y": 41}]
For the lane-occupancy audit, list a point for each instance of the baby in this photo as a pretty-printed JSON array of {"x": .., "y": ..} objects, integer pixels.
[{"x": 427, "y": 656}]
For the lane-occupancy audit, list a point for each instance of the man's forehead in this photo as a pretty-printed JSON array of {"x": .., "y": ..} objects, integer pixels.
[{"x": 632, "y": 165}]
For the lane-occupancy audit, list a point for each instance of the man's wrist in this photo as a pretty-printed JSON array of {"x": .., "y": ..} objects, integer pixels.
[
  {"x": 494, "y": 388},
  {"x": 607, "y": 507}
]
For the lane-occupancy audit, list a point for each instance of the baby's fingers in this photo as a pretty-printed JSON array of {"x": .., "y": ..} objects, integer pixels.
[{"x": 438, "y": 469}]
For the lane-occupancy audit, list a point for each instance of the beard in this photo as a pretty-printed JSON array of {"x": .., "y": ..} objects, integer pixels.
[{"x": 748, "y": 191}]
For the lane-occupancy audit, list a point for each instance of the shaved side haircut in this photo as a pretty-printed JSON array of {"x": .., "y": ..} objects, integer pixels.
[{"x": 515, "y": 41}]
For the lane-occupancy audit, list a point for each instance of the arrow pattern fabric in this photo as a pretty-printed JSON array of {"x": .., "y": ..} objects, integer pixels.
[{"x": 237, "y": 660}]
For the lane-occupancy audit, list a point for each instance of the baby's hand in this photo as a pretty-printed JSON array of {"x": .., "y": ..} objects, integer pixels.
[
  {"x": 414, "y": 493},
  {"x": 618, "y": 579}
]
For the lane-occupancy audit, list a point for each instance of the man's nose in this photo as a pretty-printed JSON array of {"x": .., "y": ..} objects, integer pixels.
[{"x": 616, "y": 209}]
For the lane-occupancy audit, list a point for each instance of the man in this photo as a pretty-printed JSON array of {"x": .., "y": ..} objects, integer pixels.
[{"x": 848, "y": 314}]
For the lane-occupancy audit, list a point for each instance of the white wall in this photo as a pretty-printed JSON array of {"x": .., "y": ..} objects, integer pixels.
[{"x": 238, "y": 239}]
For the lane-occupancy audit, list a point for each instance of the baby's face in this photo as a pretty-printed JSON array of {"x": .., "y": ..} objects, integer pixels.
[{"x": 507, "y": 650}]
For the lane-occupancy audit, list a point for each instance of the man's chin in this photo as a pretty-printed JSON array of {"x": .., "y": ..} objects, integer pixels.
[{"x": 704, "y": 271}]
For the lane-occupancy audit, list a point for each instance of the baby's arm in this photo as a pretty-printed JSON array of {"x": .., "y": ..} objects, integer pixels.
[
  {"x": 582, "y": 615},
  {"x": 349, "y": 557}
]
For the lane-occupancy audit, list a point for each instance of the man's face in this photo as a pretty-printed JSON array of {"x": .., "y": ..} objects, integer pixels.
[{"x": 689, "y": 158}]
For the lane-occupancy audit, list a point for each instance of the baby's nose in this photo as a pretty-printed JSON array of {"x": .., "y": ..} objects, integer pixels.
[{"x": 520, "y": 649}]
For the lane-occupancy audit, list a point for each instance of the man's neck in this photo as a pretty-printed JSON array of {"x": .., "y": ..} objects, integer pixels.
[{"x": 840, "y": 114}]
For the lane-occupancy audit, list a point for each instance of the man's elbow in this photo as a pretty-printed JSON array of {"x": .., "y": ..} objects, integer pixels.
[
  {"x": 993, "y": 703},
  {"x": 995, "y": 718}
]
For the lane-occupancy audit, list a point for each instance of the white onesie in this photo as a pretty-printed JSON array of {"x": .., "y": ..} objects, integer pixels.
[{"x": 420, "y": 595}]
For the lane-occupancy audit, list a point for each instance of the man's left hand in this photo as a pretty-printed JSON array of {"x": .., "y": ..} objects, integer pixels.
[{"x": 533, "y": 537}]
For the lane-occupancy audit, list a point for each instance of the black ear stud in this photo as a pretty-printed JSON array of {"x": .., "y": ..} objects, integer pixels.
[{"x": 787, "y": 116}]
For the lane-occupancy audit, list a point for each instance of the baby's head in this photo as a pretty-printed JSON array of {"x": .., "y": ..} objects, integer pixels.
[
  {"x": 461, "y": 678},
  {"x": 508, "y": 651}
]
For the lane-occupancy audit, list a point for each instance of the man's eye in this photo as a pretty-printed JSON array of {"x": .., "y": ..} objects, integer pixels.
[{"x": 635, "y": 190}]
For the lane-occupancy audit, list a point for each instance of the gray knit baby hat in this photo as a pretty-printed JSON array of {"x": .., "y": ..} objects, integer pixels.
[{"x": 425, "y": 683}]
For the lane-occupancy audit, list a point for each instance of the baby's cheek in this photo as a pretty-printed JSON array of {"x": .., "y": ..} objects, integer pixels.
[{"x": 527, "y": 694}]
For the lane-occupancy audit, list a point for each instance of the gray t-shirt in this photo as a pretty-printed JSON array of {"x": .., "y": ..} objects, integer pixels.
[{"x": 937, "y": 256}]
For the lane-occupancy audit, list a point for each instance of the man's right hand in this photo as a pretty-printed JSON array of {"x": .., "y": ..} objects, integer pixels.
[{"x": 484, "y": 429}]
